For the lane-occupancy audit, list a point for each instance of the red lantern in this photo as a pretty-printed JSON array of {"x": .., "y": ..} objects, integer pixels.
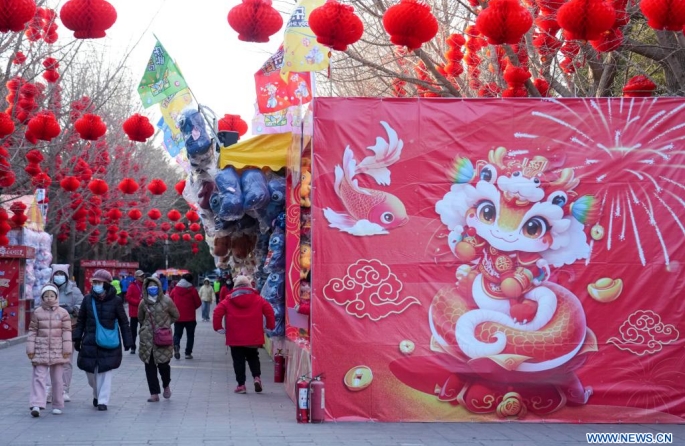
[
  {"x": 44, "y": 126},
  {"x": 543, "y": 86},
  {"x": 128, "y": 186},
  {"x": 175, "y": 237},
  {"x": 15, "y": 14},
  {"x": 41, "y": 181},
  {"x": 255, "y": 20},
  {"x": 639, "y": 87},
  {"x": 135, "y": 214},
  {"x": 19, "y": 58},
  {"x": 586, "y": 19},
  {"x": 165, "y": 226},
  {"x": 89, "y": 19},
  {"x": 90, "y": 127},
  {"x": 7, "y": 178},
  {"x": 186, "y": 237},
  {"x": 180, "y": 227},
  {"x": 664, "y": 14},
  {"x": 233, "y": 123},
  {"x": 34, "y": 156},
  {"x": 181, "y": 184},
  {"x": 174, "y": 215},
  {"x": 410, "y": 23},
  {"x": 32, "y": 169},
  {"x": 192, "y": 216},
  {"x": 70, "y": 184},
  {"x": 198, "y": 237},
  {"x": 336, "y": 25},
  {"x": 504, "y": 21},
  {"x": 154, "y": 214},
  {"x": 609, "y": 41},
  {"x": 138, "y": 128},
  {"x": 98, "y": 187},
  {"x": 51, "y": 76},
  {"x": 6, "y": 125},
  {"x": 194, "y": 227},
  {"x": 156, "y": 187}
]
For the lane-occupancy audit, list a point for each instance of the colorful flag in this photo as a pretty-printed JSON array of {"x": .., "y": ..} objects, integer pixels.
[
  {"x": 301, "y": 50},
  {"x": 162, "y": 78},
  {"x": 172, "y": 143},
  {"x": 172, "y": 106},
  {"x": 274, "y": 93}
]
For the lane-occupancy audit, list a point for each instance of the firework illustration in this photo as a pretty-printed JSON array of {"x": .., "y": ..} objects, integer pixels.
[{"x": 629, "y": 150}]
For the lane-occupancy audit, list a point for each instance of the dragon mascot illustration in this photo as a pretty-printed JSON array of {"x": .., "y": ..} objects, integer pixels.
[{"x": 512, "y": 337}]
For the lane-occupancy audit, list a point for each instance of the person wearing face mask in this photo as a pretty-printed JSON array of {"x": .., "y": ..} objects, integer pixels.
[
  {"x": 70, "y": 298},
  {"x": 98, "y": 362},
  {"x": 156, "y": 311},
  {"x": 48, "y": 347},
  {"x": 133, "y": 297}
]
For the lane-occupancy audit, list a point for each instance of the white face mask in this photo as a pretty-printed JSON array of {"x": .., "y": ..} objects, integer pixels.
[{"x": 152, "y": 298}]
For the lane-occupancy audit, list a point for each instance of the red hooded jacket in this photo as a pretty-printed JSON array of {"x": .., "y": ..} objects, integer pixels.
[
  {"x": 133, "y": 296},
  {"x": 244, "y": 310},
  {"x": 187, "y": 300}
]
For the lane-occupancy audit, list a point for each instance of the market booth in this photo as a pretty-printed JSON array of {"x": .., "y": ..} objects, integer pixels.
[
  {"x": 115, "y": 267},
  {"x": 15, "y": 308}
]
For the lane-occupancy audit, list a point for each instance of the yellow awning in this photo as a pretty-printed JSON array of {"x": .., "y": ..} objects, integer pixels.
[{"x": 261, "y": 151}]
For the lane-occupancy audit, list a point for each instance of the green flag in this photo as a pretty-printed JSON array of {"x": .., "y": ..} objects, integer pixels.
[{"x": 162, "y": 78}]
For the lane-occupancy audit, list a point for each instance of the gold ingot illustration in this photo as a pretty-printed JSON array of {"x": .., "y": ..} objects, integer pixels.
[
  {"x": 605, "y": 289},
  {"x": 597, "y": 232},
  {"x": 358, "y": 378},
  {"x": 407, "y": 347}
]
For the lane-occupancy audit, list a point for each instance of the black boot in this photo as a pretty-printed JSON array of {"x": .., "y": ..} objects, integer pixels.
[{"x": 177, "y": 351}]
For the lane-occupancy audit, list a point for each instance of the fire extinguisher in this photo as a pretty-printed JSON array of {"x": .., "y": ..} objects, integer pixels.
[
  {"x": 302, "y": 402},
  {"x": 317, "y": 400},
  {"x": 279, "y": 367}
]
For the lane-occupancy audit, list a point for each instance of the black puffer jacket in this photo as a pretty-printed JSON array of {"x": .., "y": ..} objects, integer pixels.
[{"x": 109, "y": 309}]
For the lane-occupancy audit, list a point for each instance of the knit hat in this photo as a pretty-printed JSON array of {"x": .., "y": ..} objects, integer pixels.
[
  {"x": 242, "y": 281},
  {"x": 49, "y": 287},
  {"x": 138, "y": 273},
  {"x": 102, "y": 275}
]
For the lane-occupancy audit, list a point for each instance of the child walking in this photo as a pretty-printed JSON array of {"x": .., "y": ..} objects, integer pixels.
[{"x": 49, "y": 348}]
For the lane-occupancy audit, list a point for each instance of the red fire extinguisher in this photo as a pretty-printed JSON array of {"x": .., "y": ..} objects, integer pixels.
[
  {"x": 302, "y": 399},
  {"x": 317, "y": 400},
  {"x": 279, "y": 367}
]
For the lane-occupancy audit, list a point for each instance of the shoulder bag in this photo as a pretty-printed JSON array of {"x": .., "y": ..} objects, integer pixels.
[
  {"x": 161, "y": 336},
  {"x": 105, "y": 337}
]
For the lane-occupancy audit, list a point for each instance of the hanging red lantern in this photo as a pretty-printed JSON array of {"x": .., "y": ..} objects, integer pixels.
[
  {"x": 664, "y": 14},
  {"x": 41, "y": 181},
  {"x": 186, "y": 237},
  {"x": 98, "y": 187},
  {"x": 70, "y": 184},
  {"x": 89, "y": 19},
  {"x": 233, "y": 123},
  {"x": 154, "y": 214},
  {"x": 19, "y": 218},
  {"x": 44, "y": 126},
  {"x": 198, "y": 237},
  {"x": 504, "y": 21},
  {"x": 586, "y": 19},
  {"x": 410, "y": 23},
  {"x": 255, "y": 20},
  {"x": 165, "y": 226},
  {"x": 138, "y": 128},
  {"x": 32, "y": 169},
  {"x": 174, "y": 215},
  {"x": 181, "y": 184},
  {"x": 19, "y": 58},
  {"x": 175, "y": 237},
  {"x": 156, "y": 187},
  {"x": 609, "y": 41},
  {"x": 192, "y": 216},
  {"x": 34, "y": 156},
  {"x": 15, "y": 14},
  {"x": 90, "y": 127},
  {"x": 180, "y": 227},
  {"x": 128, "y": 186},
  {"x": 639, "y": 87},
  {"x": 135, "y": 214},
  {"x": 6, "y": 125},
  {"x": 7, "y": 178},
  {"x": 195, "y": 227},
  {"x": 543, "y": 87},
  {"x": 336, "y": 25}
]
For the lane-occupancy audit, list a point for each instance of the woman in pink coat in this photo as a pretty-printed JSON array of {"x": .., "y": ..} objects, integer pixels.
[{"x": 49, "y": 348}]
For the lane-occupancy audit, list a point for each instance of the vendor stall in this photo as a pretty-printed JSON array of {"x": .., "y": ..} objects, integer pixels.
[
  {"x": 115, "y": 267},
  {"x": 15, "y": 308}
]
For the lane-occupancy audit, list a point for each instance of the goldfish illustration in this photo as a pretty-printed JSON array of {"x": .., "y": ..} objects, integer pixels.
[{"x": 368, "y": 211}]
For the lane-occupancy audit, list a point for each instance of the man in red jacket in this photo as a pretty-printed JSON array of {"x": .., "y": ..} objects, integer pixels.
[
  {"x": 133, "y": 296},
  {"x": 187, "y": 300},
  {"x": 244, "y": 310}
]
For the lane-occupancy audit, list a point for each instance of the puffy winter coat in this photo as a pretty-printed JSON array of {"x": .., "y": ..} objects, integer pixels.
[
  {"x": 70, "y": 296},
  {"x": 187, "y": 300},
  {"x": 244, "y": 310},
  {"x": 164, "y": 313},
  {"x": 49, "y": 336},
  {"x": 206, "y": 293},
  {"x": 109, "y": 309},
  {"x": 133, "y": 297}
]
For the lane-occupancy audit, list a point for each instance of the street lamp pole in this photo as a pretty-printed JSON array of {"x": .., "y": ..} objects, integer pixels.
[{"x": 166, "y": 253}]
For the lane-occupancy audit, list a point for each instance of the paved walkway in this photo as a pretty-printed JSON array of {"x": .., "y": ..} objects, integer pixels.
[{"x": 204, "y": 411}]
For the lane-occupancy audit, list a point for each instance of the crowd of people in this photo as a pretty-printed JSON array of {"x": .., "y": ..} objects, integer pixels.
[{"x": 96, "y": 327}]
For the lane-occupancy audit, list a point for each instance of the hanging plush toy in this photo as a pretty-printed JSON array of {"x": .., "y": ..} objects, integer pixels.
[
  {"x": 276, "y": 205},
  {"x": 255, "y": 190},
  {"x": 227, "y": 201},
  {"x": 273, "y": 292},
  {"x": 275, "y": 259},
  {"x": 305, "y": 260},
  {"x": 305, "y": 187}
]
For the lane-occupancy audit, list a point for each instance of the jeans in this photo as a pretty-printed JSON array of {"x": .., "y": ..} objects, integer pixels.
[
  {"x": 239, "y": 355},
  {"x": 205, "y": 310},
  {"x": 134, "y": 331},
  {"x": 151, "y": 375},
  {"x": 178, "y": 334}
]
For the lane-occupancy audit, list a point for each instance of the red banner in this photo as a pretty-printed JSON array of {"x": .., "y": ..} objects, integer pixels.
[
  {"x": 481, "y": 260},
  {"x": 274, "y": 93}
]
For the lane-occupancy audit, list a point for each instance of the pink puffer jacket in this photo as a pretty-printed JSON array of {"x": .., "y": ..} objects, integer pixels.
[{"x": 49, "y": 336}]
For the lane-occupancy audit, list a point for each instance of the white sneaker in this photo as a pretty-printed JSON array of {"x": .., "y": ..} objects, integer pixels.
[
  {"x": 66, "y": 397},
  {"x": 56, "y": 412},
  {"x": 35, "y": 411}
]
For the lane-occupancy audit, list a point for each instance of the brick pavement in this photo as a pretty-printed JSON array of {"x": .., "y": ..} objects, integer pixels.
[{"x": 204, "y": 411}]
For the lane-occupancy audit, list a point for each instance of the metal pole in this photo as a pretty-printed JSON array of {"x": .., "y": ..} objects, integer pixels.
[{"x": 166, "y": 253}]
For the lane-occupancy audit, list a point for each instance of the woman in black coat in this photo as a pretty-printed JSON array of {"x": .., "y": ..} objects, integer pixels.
[{"x": 96, "y": 361}]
